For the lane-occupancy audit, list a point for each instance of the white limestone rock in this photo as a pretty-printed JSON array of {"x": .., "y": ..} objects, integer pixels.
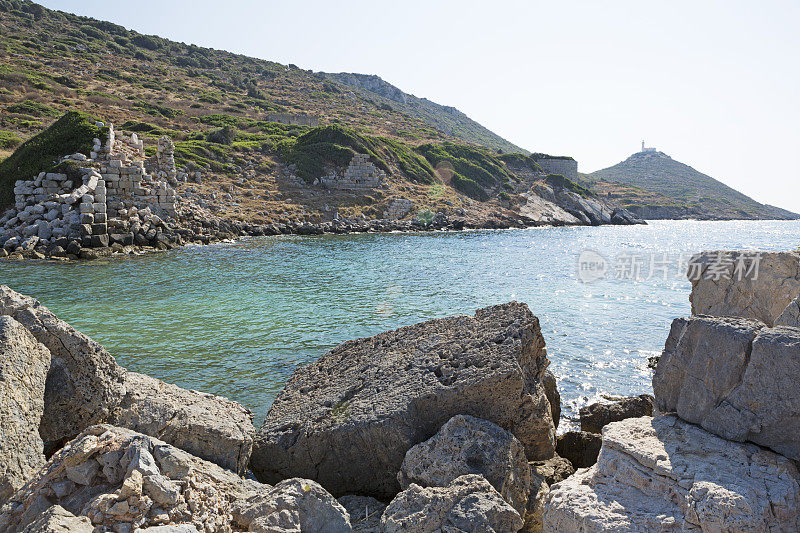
[
  {"x": 664, "y": 474},
  {"x": 719, "y": 289},
  {"x": 211, "y": 427},
  {"x": 467, "y": 504},
  {"x": 469, "y": 445},
  {"x": 736, "y": 378}
]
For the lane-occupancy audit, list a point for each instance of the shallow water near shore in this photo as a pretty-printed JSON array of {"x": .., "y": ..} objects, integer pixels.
[{"x": 236, "y": 320}]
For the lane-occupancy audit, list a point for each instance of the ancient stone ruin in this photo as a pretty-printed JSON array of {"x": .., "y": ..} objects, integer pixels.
[
  {"x": 359, "y": 174},
  {"x": 118, "y": 201}
]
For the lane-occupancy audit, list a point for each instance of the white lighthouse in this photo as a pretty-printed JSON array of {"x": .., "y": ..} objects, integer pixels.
[{"x": 646, "y": 149}]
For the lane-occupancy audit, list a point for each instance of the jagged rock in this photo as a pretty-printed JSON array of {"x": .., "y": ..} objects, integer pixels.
[
  {"x": 395, "y": 390},
  {"x": 469, "y": 445},
  {"x": 790, "y": 315},
  {"x": 734, "y": 377},
  {"x": 291, "y": 506},
  {"x": 594, "y": 417},
  {"x": 84, "y": 383},
  {"x": 365, "y": 513},
  {"x": 722, "y": 284},
  {"x": 23, "y": 370},
  {"x": 551, "y": 391},
  {"x": 56, "y": 519},
  {"x": 210, "y": 427},
  {"x": 130, "y": 479},
  {"x": 579, "y": 447},
  {"x": 468, "y": 504},
  {"x": 665, "y": 474}
]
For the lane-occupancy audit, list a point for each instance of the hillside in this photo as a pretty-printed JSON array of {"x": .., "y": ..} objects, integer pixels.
[
  {"x": 445, "y": 119},
  {"x": 58, "y": 61},
  {"x": 653, "y": 185}
]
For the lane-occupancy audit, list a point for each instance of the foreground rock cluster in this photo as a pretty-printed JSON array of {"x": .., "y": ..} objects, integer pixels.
[
  {"x": 725, "y": 446},
  {"x": 443, "y": 426}
]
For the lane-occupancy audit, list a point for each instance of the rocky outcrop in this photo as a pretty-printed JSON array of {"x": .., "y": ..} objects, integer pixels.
[
  {"x": 23, "y": 369},
  {"x": 579, "y": 447},
  {"x": 84, "y": 383},
  {"x": 588, "y": 210},
  {"x": 790, "y": 315},
  {"x": 712, "y": 484},
  {"x": 210, "y": 427},
  {"x": 748, "y": 284},
  {"x": 121, "y": 479},
  {"x": 546, "y": 212},
  {"x": 469, "y": 503},
  {"x": 734, "y": 377},
  {"x": 596, "y": 416},
  {"x": 469, "y": 445},
  {"x": 292, "y": 505},
  {"x": 348, "y": 420}
]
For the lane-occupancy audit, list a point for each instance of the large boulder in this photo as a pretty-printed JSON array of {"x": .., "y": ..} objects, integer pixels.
[
  {"x": 122, "y": 480},
  {"x": 746, "y": 284},
  {"x": 348, "y": 420},
  {"x": 734, "y": 377},
  {"x": 84, "y": 383},
  {"x": 664, "y": 474},
  {"x": 23, "y": 370},
  {"x": 291, "y": 506},
  {"x": 469, "y": 445},
  {"x": 790, "y": 315},
  {"x": 210, "y": 427},
  {"x": 468, "y": 504},
  {"x": 594, "y": 417},
  {"x": 553, "y": 396}
]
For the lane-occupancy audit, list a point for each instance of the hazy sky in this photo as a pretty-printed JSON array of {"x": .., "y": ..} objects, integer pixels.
[{"x": 713, "y": 84}]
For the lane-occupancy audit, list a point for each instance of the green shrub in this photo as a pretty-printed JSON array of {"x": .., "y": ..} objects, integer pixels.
[
  {"x": 34, "y": 109},
  {"x": 469, "y": 187},
  {"x": 9, "y": 139},
  {"x": 74, "y": 132},
  {"x": 223, "y": 135},
  {"x": 475, "y": 168},
  {"x": 557, "y": 180}
]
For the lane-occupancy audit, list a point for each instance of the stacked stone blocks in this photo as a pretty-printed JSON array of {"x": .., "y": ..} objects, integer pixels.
[{"x": 359, "y": 174}]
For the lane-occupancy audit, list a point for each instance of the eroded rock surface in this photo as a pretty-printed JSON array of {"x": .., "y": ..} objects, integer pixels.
[
  {"x": 730, "y": 284},
  {"x": 595, "y": 416},
  {"x": 293, "y": 505},
  {"x": 713, "y": 484},
  {"x": 790, "y": 315},
  {"x": 735, "y": 378},
  {"x": 24, "y": 363},
  {"x": 469, "y": 445},
  {"x": 56, "y": 519},
  {"x": 118, "y": 479},
  {"x": 348, "y": 420},
  {"x": 468, "y": 504},
  {"x": 84, "y": 383},
  {"x": 210, "y": 427}
]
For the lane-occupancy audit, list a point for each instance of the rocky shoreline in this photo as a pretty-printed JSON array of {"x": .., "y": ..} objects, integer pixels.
[{"x": 447, "y": 425}]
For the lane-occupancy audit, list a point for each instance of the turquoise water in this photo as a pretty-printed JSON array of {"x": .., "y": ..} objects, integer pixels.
[{"x": 237, "y": 319}]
